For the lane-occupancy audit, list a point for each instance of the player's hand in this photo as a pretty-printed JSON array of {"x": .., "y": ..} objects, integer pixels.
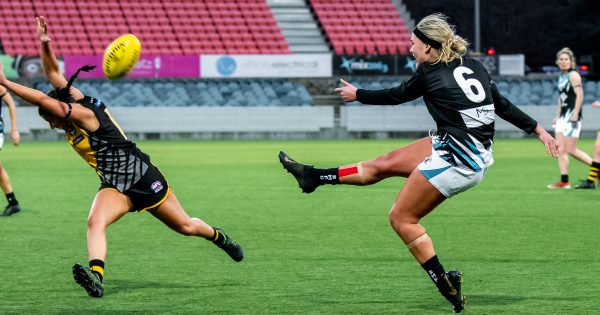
[
  {"x": 347, "y": 91},
  {"x": 42, "y": 29},
  {"x": 547, "y": 140},
  {"x": 16, "y": 137},
  {"x": 596, "y": 104}
]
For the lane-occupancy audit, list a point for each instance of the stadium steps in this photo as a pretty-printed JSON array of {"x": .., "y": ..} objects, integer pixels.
[
  {"x": 405, "y": 14},
  {"x": 298, "y": 26}
]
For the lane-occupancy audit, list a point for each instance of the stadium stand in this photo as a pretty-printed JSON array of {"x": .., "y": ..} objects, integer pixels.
[
  {"x": 367, "y": 26},
  {"x": 179, "y": 92},
  {"x": 164, "y": 27}
]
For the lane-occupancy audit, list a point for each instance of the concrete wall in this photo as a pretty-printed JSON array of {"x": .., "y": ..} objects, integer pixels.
[
  {"x": 417, "y": 118},
  {"x": 316, "y": 122}
]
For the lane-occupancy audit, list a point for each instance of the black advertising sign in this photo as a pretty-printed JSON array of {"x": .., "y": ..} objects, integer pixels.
[{"x": 364, "y": 65}]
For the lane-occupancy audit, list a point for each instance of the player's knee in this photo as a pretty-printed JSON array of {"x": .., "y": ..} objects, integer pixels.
[
  {"x": 95, "y": 223},
  {"x": 187, "y": 228},
  {"x": 398, "y": 222}
]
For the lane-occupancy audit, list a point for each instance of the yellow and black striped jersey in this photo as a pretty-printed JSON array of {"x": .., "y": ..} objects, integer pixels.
[{"x": 116, "y": 160}]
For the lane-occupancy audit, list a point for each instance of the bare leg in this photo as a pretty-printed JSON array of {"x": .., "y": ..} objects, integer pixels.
[
  {"x": 108, "y": 207},
  {"x": 416, "y": 199},
  {"x": 400, "y": 162},
  {"x": 577, "y": 153},
  {"x": 563, "y": 154},
  {"x": 596, "y": 155},
  {"x": 171, "y": 213},
  {"x": 5, "y": 181}
]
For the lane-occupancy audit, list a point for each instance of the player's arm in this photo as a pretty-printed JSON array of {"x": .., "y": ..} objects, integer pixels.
[
  {"x": 405, "y": 92},
  {"x": 49, "y": 61},
  {"x": 511, "y": 113},
  {"x": 12, "y": 112},
  {"x": 74, "y": 112},
  {"x": 409, "y": 90},
  {"x": 575, "y": 80}
]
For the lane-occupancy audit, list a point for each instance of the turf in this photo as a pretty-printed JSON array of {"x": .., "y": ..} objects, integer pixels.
[{"x": 522, "y": 248}]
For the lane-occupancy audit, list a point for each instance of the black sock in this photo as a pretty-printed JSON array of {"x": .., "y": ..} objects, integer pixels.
[
  {"x": 436, "y": 272},
  {"x": 218, "y": 238},
  {"x": 564, "y": 178},
  {"x": 324, "y": 175},
  {"x": 12, "y": 200},
  {"x": 97, "y": 267}
]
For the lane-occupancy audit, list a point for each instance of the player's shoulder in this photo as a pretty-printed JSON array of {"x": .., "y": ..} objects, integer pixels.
[
  {"x": 472, "y": 62},
  {"x": 92, "y": 103},
  {"x": 574, "y": 75}
]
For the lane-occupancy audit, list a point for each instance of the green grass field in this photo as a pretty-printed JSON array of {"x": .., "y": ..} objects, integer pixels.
[{"x": 522, "y": 248}]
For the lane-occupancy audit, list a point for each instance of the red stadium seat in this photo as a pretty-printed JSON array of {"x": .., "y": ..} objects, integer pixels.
[
  {"x": 166, "y": 27},
  {"x": 372, "y": 24}
]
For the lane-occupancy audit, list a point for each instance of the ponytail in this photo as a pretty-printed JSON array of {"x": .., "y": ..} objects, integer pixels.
[
  {"x": 436, "y": 27},
  {"x": 64, "y": 94}
]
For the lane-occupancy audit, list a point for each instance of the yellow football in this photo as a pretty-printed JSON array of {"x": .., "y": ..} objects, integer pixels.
[{"x": 121, "y": 56}]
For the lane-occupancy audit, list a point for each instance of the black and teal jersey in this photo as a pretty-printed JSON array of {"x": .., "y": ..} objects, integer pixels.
[
  {"x": 463, "y": 101},
  {"x": 566, "y": 95}
]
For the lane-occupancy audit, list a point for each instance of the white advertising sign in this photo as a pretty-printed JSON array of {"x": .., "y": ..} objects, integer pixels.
[{"x": 265, "y": 66}]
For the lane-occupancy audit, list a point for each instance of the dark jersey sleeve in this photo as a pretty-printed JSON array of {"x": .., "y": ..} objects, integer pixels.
[
  {"x": 405, "y": 92},
  {"x": 511, "y": 113}
]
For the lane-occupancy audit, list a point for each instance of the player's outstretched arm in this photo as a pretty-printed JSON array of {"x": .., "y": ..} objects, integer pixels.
[
  {"x": 74, "y": 112},
  {"x": 12, "y": 112},
  {"x": 49, "y": 61}
]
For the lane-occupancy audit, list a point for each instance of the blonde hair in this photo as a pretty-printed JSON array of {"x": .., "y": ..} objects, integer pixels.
[
  {"x": 436, "y": 27},
  {"x": 567, "y": 51}
]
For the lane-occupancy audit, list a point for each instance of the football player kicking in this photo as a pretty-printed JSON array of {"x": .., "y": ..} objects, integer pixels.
[{"x": 464, "y": 102}]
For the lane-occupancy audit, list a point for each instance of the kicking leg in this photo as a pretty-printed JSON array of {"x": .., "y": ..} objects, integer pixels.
[
  {"x": 400, "y": 162},
  {"x": 171, "y": 213}
]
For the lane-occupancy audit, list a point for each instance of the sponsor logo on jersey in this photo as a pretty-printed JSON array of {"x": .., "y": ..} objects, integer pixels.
[
  {"x": 478, "y": 116},
  {"x": 156, "y": 186}
]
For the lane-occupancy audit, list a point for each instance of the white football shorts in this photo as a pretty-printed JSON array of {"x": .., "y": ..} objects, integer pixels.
[
  {"x": 567, "y": 128},
  {"x": 447, "y": 178}
]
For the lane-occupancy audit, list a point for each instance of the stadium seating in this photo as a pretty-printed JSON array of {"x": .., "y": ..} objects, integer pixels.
[
  {"x": 363, "y": 26},
  {"x": 164, "y": 27},
  {"x": 276, "y": 92}
]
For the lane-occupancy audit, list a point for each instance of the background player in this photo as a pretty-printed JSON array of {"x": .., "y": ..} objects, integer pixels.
[
  {"x": 590, "y": 182},
  {"x": 568, "y": 116},
  {"x": 463, "y": 101},
  {"x": 13, "y": 205}
]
